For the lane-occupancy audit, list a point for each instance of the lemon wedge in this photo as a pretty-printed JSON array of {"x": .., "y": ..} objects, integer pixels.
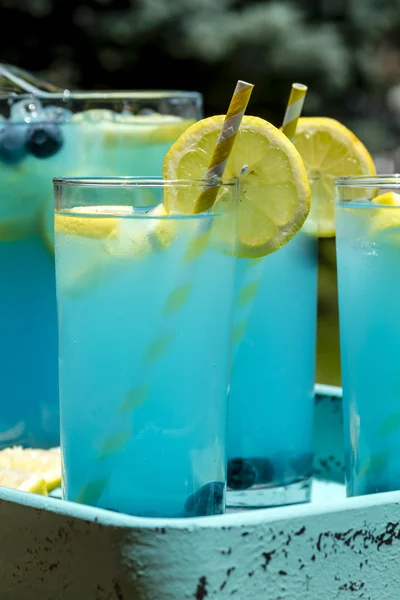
[
  {"x": 274, "y": 191},
  {"x": 23, "y": 481},
  {"x": 387, "y": 219},
  {"x": 387, "y": 199},
  {"x": 45, "y": 464},
  {"x": 329, "y": 150}
]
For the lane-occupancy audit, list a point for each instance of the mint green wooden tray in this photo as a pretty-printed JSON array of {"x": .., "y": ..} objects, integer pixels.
[{"x": 332, "y": 548}]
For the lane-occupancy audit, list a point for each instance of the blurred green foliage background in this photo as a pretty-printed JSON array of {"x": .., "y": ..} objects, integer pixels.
[{"x": 346, "y": 51}]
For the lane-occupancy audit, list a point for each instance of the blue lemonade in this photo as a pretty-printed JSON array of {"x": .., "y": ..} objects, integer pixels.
[
  {"x": 270, "y": 413},
  {"x": 40, "y": 139},
  {"x": 272, "y": 386},
  {"x": 145, "y": 308},
  {"x": 368, "y": 252}
]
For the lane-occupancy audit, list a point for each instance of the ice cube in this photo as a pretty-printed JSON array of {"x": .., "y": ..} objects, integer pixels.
[
  {"x": 57, "y": 113},
  {"x": 27, "y": 110},
  {"x": 95, "y": 115}
]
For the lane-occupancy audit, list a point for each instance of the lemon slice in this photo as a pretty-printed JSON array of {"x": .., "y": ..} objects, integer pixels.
[
  {"x": 99, "y": 226},
  {"x": 78, "y": 277},
  {"x": 106, "y": 242},
  {"x": 84, "y": 226},
  {"x": 129, "y": 234},
  {"x": 169, "y": 131},
  {"x": 153, "y": 128},
  {"x": 387, "y": 199},
  {"x": 23, "y": 481},
  {"x": 45, "y": 464},
  {"x": 329, "y": 150},
  {"x": 274, "y": 191},
  {"x": 136, "y": 130},
  {"x": 387, "y": 219}
]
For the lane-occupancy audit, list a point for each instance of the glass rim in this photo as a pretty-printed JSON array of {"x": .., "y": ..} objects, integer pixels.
[
  {"x": 369, "y": 181},
  {"x": 105, "y": 95},
  {"x": 134, "y": 182},
  {"x": 138, "y": 181}
]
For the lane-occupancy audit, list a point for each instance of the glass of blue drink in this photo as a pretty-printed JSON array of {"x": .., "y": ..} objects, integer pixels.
[
  {"x": 270, "y": 433},
  {"x": 368, "y": 257},
  {"x": 145, "y": 303},
  {"x": 41, "y": 136}
]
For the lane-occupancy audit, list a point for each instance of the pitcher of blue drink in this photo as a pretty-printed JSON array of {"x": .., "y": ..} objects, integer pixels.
[{"x": 44, "y": 134}]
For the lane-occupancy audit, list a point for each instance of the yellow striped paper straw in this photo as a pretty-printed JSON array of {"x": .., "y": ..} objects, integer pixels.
[
  {"x": 94, "y": 488},
  {"x": 255, "y": 267},
  {"x": 222, "y": 150},
  {"x": 293, "y": 109}
]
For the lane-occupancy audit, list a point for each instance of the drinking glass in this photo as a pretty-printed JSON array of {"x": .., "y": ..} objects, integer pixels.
[
  {"x": 270, "y": 435},
  {"x": 145, "y": 304},
  {"x": 368, "y": 258}
]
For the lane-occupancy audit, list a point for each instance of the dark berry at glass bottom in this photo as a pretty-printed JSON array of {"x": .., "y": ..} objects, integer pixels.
[
  {"x": 256, "y": 482},
  {"x": 271, "y": 398},
  {"x": 243, "y": 473},
  {"x": 208, "y": 500}
]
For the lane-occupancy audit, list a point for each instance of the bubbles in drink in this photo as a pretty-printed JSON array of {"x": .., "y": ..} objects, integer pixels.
[{"x": 27, "y": 110}]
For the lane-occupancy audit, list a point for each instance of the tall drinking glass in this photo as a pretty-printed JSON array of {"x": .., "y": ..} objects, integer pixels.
[
  {"x": 145, "y": 304},
  {"x": 104, "y": 133},
  {"x": 273, "y": 374},
  {"x": 368, "y": 258}
]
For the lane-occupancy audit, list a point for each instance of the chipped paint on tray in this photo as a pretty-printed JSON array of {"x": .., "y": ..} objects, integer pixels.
[{"x": 333, "y": 548}]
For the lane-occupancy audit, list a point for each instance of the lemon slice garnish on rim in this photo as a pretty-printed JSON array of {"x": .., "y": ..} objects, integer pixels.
[
  {"x": 274, "y": 192},
  {"x": 329, "y": 150}
]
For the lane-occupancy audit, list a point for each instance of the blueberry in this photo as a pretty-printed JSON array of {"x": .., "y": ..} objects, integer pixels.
[
  {"x": 241, "y": 474},
  {"x": 44, "y": 140},
  {"x": 208, "y": 500},
  {"x": 13, "y": 143}
]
